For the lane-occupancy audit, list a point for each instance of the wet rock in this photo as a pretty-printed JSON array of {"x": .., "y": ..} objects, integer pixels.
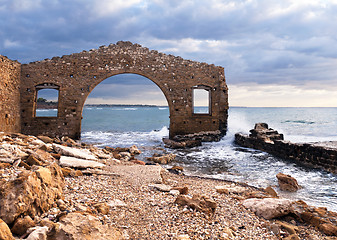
[
  {"x": 134, "y": 150},
  {"x": 203, "y": 136},
  {"x": 21, "y": 225},
  {"x": 74, "y": 162},
  {"x": 176, "y": 170},
  {"x": 165, "y": 159},
  {"x": 287, "y": 182},
  {"x": 125, "y": 156},
  {"x": 268, "y": 208},
  {"x": 78, "y": 226},
  {"x": 321, "y": 211},
  {"x": 181, "y": 144},
  {"x": 5, "y": 232},
  {"x": 261, "y": 131},
  {"x": 30, "y": 193},
  {"x": 74, "y": 152},
  {"x": 197, "y": 202},
  {"x": 38, "y": 233}
]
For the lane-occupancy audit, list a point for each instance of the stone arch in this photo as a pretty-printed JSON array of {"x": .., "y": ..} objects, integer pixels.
[
  {"x": 141, "y": 74},
  {"x": 79, "y": 73}
]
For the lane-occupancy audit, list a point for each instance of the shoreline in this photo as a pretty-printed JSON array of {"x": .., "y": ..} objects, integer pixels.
[{"x": 125, "y": 194}]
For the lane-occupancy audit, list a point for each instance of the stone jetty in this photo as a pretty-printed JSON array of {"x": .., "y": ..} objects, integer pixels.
[{"x": 321, "y": 155}]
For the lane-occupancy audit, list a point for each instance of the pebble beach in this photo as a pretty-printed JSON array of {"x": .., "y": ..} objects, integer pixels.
[{"x": 120, "y": 197}]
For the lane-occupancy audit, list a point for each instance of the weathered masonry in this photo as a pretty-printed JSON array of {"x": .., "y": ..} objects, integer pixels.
[
  {"x": 9, "y": 95},
  {"x": 74, "y": 76}
]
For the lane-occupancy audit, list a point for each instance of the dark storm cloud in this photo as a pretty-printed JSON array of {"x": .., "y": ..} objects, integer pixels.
[{"x": 257, "y": 41}]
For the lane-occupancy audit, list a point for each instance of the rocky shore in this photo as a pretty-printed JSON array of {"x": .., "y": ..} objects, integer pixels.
[{"x": 62, "y": 189}]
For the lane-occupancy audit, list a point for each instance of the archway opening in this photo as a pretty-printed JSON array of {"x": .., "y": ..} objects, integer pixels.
[{"x": 123, "y": 110}]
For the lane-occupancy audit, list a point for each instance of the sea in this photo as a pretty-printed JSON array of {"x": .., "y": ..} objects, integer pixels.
[{"x": 145, "y": 126}]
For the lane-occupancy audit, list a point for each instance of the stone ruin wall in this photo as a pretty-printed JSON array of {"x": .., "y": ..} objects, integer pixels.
[
  {"x": 9, "y": 95},
  {"x": 310, "y": 155},
  {"x": 78, "y": 74}
]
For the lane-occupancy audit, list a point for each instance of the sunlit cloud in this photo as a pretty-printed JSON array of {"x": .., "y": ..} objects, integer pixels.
[{"x": 258, "y": 42}]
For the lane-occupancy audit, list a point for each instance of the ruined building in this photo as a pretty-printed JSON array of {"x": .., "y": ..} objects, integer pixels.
[{"x": 75, "y": 76}]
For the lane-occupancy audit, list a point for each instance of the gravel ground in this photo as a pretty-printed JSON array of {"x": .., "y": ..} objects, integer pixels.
[{"x": 142, "y": 212}]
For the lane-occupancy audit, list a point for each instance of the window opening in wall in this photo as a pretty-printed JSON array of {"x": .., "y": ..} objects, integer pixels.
[
  {"x": 201, "y": 100},
  {"x": 47, "y": 100}
]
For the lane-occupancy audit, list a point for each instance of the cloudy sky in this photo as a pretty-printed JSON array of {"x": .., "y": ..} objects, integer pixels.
[{"x": 275, "y": 53}]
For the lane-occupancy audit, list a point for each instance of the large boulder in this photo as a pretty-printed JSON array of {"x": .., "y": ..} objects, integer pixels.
[
  {"x": 30, "y": 192},
  {"x": 74, "y": 152},
  {"x": 21, "y": 225},
  {"x": 78, "y": 226},
  {"x": 269, "y": 208},
  {"x": 287, "y": 182},
  {"x": 165, "y": 159},
  {"x": 5, "y": 232},
  {"x": 261, "y": 131},
  {"x": 79, "y": 163},
  {"x": 38, "y": 233}
]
